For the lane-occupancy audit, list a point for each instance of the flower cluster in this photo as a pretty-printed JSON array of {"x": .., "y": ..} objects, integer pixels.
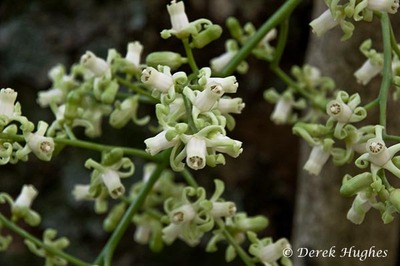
[
  {"x": 338, "y": 14},
  {"x": 310, "y": 82},
  {"x": 372, "y": 188},
  {"x": 90, "y": 92},
  {"x": 342, "y": 112},
  {"x": 11, "y": 151},
  {"x": 193, "y": 117},
  {"x": 192, "y": 215}
]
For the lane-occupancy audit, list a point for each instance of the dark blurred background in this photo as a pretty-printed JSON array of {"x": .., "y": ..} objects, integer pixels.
[{"x": 36, "y": 35}]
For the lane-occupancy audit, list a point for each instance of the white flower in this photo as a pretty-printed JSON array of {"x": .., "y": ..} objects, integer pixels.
[
  {"x": 229, "y": 84},
  {"x": 389, "y": 6},
  {"x": 98, "y": 66},
  {"x": 196, "y": 151},
  {"x": 361, "y": 205},
  {"x": 317, "y": 160},
  {"x": 26, "y": 197},
  {"x": 54, "y": 95},
  {"x": 134, "y": 52},
  {"x": 178, "y": 17},
  {"x": 206, "y": 99},
  {"x": 81, "y": 192},
  {"x": 37, "y": 143},
  {"x": 282, "y": 111},
  {"x": 223, "y": 209},
  {"x": 323, "y": 23},
  {"x": 7, "y": 100},
  {"x": 159, "y": 143},
  {"x": 228, "y": 105},
  {"x": 158, "y": 80},
  {"x": 367, "y": 71},
  {"x": 271, "y": 253},
  {"x": 183, "y": 214},
  {"x": 112, "y": 181},
  {"x": 218, "y": 63}
]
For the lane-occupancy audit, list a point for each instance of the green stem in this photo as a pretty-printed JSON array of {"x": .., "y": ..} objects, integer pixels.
[
  {"x": 108, "y": 250},
  {"x": 280, "y": 46},
  {"x": 372, "y": 104},
  {"x": 138, "y": 90},
  {"x": 272, "y": 22},
  {"x": 242, "y": 254},
  {"x": 190, "y": 57},
  {"x": 24, "y": 234},
  {"x": 89, "y": 145},
  {"x": 387, "y": 69},
  {"x": 393, "y": 42},
  {"x": 189, "y": 178}
]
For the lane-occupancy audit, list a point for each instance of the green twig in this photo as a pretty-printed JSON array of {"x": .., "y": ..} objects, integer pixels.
[
  {"x": 190, "y": 57},
  {"x": 280, "y": 46},
  {"x": 387, "y": 69},
  {"x": 239, "y": 250},
  {"x": 89, "y": 145},
  {"x": 393, "y": 42},
  {"x": 106, "y": 254},
  {"x": 138, "y": 90},
  {"x": 24, "y": 234},
  {"x": 189, "y": 178},
  {"x": 272, "y": 22},
  {"x": 372, "y": 104}
]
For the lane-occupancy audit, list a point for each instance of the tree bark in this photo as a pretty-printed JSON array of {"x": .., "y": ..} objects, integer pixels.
[{"x": 320, "y": 218}]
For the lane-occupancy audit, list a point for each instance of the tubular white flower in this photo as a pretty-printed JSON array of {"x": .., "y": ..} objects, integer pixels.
[
  {"x": 207, "y": 98},
  {"x": 96, "y": 65},
  {"x": 378, "y": 152},
  {"x": 54, "y": 95},
  {"x": 282, "y": 111},
  {"x": 81, "y": 192},
  {"x": 218, "y": 63},
  {"x": 134, "y": 52},
  {"x": 323, "y": 23},
  {"x": 40, "y": 145},
  {"x": 317, "y": 160},
  {"x": 361, "y": 205},
  {"x": 229, "y": 84},
  {"x": 142, "y": 234},
  {"x": 159, "y": 143},
  {"x": 171, "y": 232},
  {"x": 178, "y": 17},
  {"x": 223, "y": 209},
  {"x": 225, "y": 144},
  {"x": 367, "y": 72},
  {"x": 228, "y": 105},
  {"x": 26, "y": 197},
  {"x": 112, "y": 181},
  {"x": 7, "y": 100},
  {"x": 196, "y": 151},
  {"x": 183, "y": 214},
  {"x": 269, "y": 254},
  {"x": 160, "y": 81},
  {"x": 389, "y": 6},
  {"x": 340, "y": 111}
]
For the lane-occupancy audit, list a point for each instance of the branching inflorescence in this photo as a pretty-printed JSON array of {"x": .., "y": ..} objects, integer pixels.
[{"x": 194, "y": 113}]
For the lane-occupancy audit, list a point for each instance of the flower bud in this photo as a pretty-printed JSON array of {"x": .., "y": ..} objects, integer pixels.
[
  {"x": 206, "y": 36},
  {"x": 171, "y": 59},
  {"x": 96, "y": 65}
]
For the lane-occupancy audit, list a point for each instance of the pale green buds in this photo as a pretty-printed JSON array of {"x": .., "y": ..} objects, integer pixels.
[
  {"x": 114, "y": 216},
  {"x": 170, "y": 59},
  {"x": 211, "y": 33}
]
